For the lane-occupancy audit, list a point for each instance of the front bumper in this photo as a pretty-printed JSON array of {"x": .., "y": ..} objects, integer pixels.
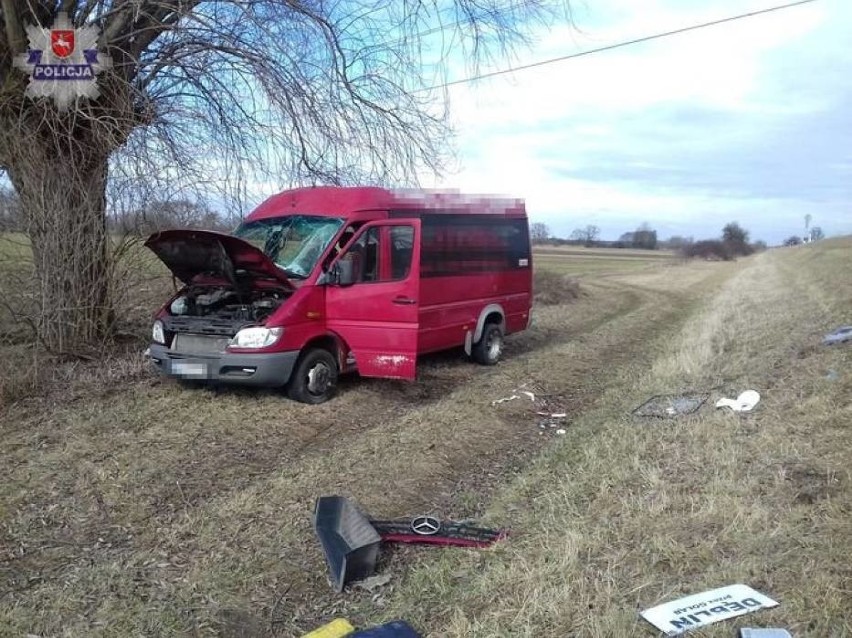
[{"x": 262, "y": 369}]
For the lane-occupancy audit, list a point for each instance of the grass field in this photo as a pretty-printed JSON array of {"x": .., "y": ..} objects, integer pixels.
[
  {"x": 137, "y": 506},
  {"x": 579, "y": 261},
  {"x": 622, "y": 513}
]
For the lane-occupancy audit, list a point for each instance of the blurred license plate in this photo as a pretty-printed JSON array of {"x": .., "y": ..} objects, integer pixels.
[{"x": 189, "y": 369}]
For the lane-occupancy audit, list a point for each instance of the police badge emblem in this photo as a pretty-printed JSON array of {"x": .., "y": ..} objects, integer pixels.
[{"x": 62, "y": 62}]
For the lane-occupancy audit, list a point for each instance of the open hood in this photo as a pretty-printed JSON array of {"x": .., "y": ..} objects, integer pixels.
[{"x": 188, "y": 253}]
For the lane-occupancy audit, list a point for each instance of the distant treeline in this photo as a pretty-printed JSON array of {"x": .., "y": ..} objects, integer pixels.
[{"x": 734, "y": 241}]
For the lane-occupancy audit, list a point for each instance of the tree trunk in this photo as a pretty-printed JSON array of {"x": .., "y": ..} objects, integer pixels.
[{"x": 64, "y": 206}]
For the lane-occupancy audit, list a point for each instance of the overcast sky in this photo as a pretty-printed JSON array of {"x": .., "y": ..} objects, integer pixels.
[{"x": 749, "y": 121}]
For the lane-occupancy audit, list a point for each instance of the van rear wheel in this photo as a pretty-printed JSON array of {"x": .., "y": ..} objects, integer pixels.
[
  {"x": 315, "y": 378},
  {"x": 488, "y": 349}
]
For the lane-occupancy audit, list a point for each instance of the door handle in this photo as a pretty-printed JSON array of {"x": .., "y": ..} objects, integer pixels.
[{"x": 404, "y": 301}]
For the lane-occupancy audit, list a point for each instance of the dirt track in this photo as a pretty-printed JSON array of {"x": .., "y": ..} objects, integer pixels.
[{"x": 159, "y": 509}]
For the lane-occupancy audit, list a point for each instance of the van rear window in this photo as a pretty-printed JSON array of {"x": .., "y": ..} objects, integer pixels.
[{"x": 460, "y": 244}]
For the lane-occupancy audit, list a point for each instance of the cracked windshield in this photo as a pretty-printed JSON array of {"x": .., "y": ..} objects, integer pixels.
[{"x": 294, "y": 243}]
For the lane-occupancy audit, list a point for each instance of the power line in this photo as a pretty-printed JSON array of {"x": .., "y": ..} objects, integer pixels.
[{"x": 618, "y": 45}]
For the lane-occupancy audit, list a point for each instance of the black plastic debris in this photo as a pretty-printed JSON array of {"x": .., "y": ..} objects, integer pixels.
[
  {"x": 350, "y": 542},
  {"x": 664, "y": 406},
  {"x": 841, "y": 335}
]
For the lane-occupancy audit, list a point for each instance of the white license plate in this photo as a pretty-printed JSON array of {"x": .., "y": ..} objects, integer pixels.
[{"x": 189, "y": 369}]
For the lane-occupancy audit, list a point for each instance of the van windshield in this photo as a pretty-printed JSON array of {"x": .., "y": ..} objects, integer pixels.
[{"x": 293, "y": 242}]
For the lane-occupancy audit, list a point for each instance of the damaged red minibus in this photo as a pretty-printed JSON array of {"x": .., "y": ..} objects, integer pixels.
[{"x": 321, "y": 281}]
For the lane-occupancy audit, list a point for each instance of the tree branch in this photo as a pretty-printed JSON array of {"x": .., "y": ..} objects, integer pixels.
[{"x": 116, "y": 22}]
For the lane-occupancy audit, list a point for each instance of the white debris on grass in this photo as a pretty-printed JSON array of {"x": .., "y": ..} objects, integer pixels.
[
  {"x": 541, "y": 404},
  {"x": 698, "y": 610},
  {"x": 743, "y": 403}
]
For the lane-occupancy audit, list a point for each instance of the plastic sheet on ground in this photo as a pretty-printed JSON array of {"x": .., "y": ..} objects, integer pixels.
[{"x": 671, "y": 405}]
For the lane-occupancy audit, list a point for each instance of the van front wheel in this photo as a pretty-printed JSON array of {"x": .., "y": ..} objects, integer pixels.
[
  {"x": 315, "y": 378},
  {"x": 488, "y": 349}
]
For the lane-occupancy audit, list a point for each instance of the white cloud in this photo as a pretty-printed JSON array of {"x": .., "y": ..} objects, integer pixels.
[{"x": 728, "y": 121}]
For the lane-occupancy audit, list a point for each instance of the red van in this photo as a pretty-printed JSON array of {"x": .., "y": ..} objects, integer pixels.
[{"x": 321, "y": 281}]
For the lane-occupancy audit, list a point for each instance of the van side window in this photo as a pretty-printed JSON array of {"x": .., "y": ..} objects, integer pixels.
[
  {"x": 462, "y": 244},
  {"x": 402, "y": 246},
  {"x": 365, "y": 256}
]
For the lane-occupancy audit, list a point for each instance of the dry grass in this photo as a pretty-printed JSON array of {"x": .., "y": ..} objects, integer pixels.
[
  {"x": 606, "y": 253},
  {"x": 595, "y": 262},
  {"x": 140, "y": 283},
  {"x": 551, "y": 288},
  {"x": 136, "y": 506},
  {"x": 623, "y": 513},
  {"x": 141, "y": 507}
]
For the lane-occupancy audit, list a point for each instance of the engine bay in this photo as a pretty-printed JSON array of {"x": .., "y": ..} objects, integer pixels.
[
  {"x": 222, "y": 309},
  {"x": 226, "y": 303}
]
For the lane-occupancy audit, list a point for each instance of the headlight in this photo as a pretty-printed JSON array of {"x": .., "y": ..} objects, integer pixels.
[
  {"x": 157, "y": 332},
  {"x": 256, "y": 337}
]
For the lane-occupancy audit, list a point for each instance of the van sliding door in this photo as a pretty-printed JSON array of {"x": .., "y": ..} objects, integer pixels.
[{"x": 377, "y": 315}]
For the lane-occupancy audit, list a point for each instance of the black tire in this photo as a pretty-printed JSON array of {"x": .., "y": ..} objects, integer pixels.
[
  {"x": 314, "y": 380},
  {"x": 488, "y": 349}
]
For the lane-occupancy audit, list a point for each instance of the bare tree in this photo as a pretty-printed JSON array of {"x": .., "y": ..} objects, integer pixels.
[
  {"x": 202, "y": 93},
  {"x": 539, "y": 233},
  {"x": 817, "y": 233},
  {"x": 162, "y": 214},
  {"x": 587, "y": 235}
]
